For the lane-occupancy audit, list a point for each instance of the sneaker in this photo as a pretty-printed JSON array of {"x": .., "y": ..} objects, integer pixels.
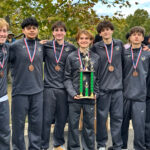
[
  {"x": 59, "y": 148},
  {"x": 102, "y": 148},
  {"x": 124, "y": 149}
]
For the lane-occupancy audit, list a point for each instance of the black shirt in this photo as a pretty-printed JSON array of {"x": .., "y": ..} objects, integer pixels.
[
  {"x": 24, "y": 81},
  {"x": 3, "y": 80},
  {"x": 53, "y": 78},
  {"x": 110, "y": 80},
  {"x": 135, "y": 87}
]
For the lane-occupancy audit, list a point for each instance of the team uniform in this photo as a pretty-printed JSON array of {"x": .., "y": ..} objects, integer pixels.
[
  {"x": 55, "y": 95},
  {"x": 26, "y": 57},
  {"x": 4, "y": 104},
  {"x": 135, "y": 71},
  {"x": 72, "y": 78},
  {"x": 110, "y": 96},
  {"x": 147, "y": 123}
]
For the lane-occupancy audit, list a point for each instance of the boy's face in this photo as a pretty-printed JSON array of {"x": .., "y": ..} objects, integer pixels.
[
  {"x": 106, "y": 33},
  {"x": 30, "y": 32},
  {"x": 3, "y": 34},
  {"x": 59, "y": 33},
  {"x": 84, "y": 41},
  {"x": 136, "y": 38}
]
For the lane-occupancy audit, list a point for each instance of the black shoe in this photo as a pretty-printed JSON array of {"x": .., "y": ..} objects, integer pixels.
[{"x": 110, "y": 148}]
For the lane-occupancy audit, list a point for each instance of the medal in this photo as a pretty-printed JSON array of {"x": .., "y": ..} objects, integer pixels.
[
  {"x": 57, "y": 67},
  {"x": 135, "y": 64},
  {"x": 135, "y": 73},
  {"x": 111, "y": 68},
  {"x": 1, "y": 74},
  {"x": 31, "y": 67}
]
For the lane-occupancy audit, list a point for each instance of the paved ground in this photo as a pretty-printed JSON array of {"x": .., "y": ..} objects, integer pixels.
[{"x": 108, "y": 144}]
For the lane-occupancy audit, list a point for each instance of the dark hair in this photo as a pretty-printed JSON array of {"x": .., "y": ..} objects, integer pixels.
[
  {"x": 137, "y": 29},
  {"x": 58, "y": 24},
  {"x": 29, "y": 21},
  {"x": 104, "y": 24},
  {"x": 127, "y": 35}
]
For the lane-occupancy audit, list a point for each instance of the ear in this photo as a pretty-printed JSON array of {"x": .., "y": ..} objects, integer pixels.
[{"x": 23, "y": 31}]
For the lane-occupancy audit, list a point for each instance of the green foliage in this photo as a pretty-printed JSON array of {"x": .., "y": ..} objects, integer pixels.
[{"x": 77, "y": 14}]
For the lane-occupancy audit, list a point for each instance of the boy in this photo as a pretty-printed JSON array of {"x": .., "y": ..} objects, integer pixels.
[
  {"x": 26, "y": 57},
  {"x": 55, "y": 95},
  {"x": 4, "y": 104},
  {"x": 75, "y": 61},
  {"x": 135, "y": 71},
  {"x": 110, "y": 96}
]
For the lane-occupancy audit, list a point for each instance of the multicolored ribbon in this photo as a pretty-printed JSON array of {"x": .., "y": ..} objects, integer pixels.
[
  {"x": 135, "y": 64},
  {"x": 109, "y": 57},
  {"x": 28, "y": 50},
  {"x": 58, "y": 59}
]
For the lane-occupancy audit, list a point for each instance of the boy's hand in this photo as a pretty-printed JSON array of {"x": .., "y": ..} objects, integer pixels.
[{"x": 43, "y": 41}]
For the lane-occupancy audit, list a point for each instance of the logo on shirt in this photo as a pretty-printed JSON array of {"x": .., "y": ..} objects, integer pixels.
[
  {"x": 67, "y": 49},
  {"x": 143, "y": 58},
  {"x": 117, "y": 48},
  {"x": 39, "y": 49}
]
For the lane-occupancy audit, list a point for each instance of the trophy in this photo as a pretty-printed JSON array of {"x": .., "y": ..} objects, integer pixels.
[{"x": 87, "y": 79}]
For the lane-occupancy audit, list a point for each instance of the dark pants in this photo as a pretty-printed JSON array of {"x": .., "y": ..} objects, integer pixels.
[
  {"x": 23, "y": 105},
  {"x": 147, "y": 124},
  {"x": 136, "y": 111},
  {"x": 4, "y": 126},
  {"x": 87, "y": 135},
  {"x": 109, "y": 102},
  {"x": 55, "y": 107}
]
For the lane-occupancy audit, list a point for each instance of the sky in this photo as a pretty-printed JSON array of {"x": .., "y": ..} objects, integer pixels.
[{"x": 102, "y": 10}]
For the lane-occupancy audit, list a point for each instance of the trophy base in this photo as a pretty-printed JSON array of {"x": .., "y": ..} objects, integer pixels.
[{"x": 87, "y": 97}]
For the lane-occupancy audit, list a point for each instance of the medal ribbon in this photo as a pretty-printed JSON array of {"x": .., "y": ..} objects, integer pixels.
[
  {"x": 109, "y": 57},
  {"x": 3, "y": 61},
  {"x": 80, "y": 60},
  {"x": 28, "y": 50},
  {"x": 138, "y": 58},
  {"x": 58, "y": 59}
]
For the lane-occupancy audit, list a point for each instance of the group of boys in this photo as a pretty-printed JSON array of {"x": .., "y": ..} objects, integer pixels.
[{"x": 124, "y": 84}]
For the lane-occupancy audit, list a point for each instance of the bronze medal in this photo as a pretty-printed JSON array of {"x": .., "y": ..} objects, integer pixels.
[
  {"x": 111, "y": 68},
  {"x": 57, "y": 68},
  {"x": 1, "y": 74},
  {"x": 135, "y": 73},
  {"x": 31, "y": 68}
]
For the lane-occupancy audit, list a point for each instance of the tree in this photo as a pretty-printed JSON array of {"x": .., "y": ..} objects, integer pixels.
[{"x": 75, "y": 13}]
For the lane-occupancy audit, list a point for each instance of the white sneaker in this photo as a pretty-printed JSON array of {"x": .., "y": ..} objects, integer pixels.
[
  {"x": 102, "y": 148},
  {"x": 125, "y": 149}
]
